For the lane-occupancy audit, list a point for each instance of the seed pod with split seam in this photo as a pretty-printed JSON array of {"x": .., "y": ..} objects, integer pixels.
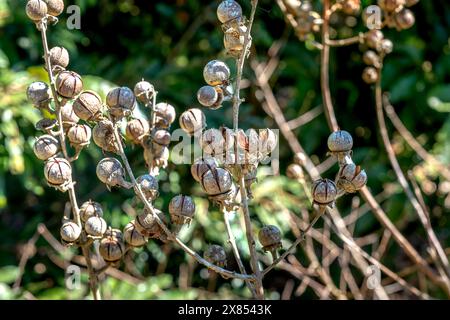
[
  {"x": 90, "y": 209},
  {"x": 215, "y": 254},
  {"x": 216, "y": 73},
  {"x": 164, "y": 115},
  {"x": 267, "y": 141},
  {"x": 351, "y": 178},
  {"x": 137, "y": 129},
  {"x": 45, "y": 147},
  {"x": 110, "y": 172},
  {"x": 36, "y": 9},
  {"x": 88, "y": 106},
  {"x": 112, "y": 247},
  {"x": 192, "y": 121},
  {"x": 210, "y": 97},
  {"x": 228, "y": 10},
  {"x": 70, "y": 232},
  {"x": 103, "y": 136},
  {"x": 324, "y": 192},
  {"x": 149, "y": 186},
  {"x": 144, "y": 92},
  {"x": 68, "y": 84},
  {"x": 181, "y": 209},
  {"x": 202, "y": 165},
  {"x": 161, "y": 137},
  {"x": 132, "y": 236},
  {"x": 58, "y": 172},
  {"x": 217, "y": 181},
  {"x": 270, "y": 239},
  {"x": 340, "y": 141},
  {"x": 38, "y": 93},
  {"x": 95, "y": 226},
  {"x": 59, "y": 56},
  {"x": 121, "y": 102},
  {"x": 79, "y": 135},
  {"x": 147, "y": 224}
]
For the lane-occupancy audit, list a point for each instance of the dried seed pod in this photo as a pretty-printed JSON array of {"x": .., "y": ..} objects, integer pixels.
[
  {"x": 248, "y": 147},
  {"x": 45, "y": 147},
  {"x": 294, "y": 171},
  {"x": 340, "y": 141},
  {"x": 216, "y": 181},
  {"x": 111, "y": 246},
  {"x": 212, "y": 142},
  {"x": 371, "y": 58},
  {"x": 202, "y": 165},
  {"x": 58, "y": 172},
  {"x": 36, "y": 9},
  {"x": 90, "y": 209},
  {"x": 55, "y": 7},
  {"x": 164, "y": 115},
  {"x": 69, "y": 117},
  {"x": 132, "y": 236},
  {"x": 390, "y": 5},
  {"x": 38, "y": 93},
  {"x": 208, "y": 96},
  {"x": 351, "y": 7},
  {"x": 110, "y": 172},
  {"x": 147, "y": 224},
  {"x": 45, "y": 124},
  {"x": 181, "y": 209},
  {"x": 351, "y": 178},
  {"x": 216, "y": 73},
  {"x": 144, "y": 92},
  {"x": 161, "y": 137},
  {"x": 192, "y": 121},
  {"x": 95, "y": 226},
  {"x": 215, "y": 254},
  {"x": 370, "y": 75},
  {"x": 324, "y": 192},
  {"x": 59, "y": 56},
  {"x": 88, "y": 106},
  {"x": 137, "y": 129},
  {"x": 68, "y": 84},
  {"x": 70, "y": 232},
  {"x": 373, "y": 38},
  {"x": 405, "y": 19},
  {"x": 386, "y": 46},
  {"x": 156, "y": 156},
  {"x": 79, "y": 135},
  {"x": 270, "y": 238},
  {"x": 103, "y": 136},
  {"x": 267, "y": 141},
  {"x": 228, "y": 10},
  {"x": 121, "y": 102},
  {"x": 149, "y": 186},
  {"x": 234, "y": 40}
]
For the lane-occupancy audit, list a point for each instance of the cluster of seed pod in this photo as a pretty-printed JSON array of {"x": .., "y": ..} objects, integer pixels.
[
  {"x": 395, "y": 13},
  {"x": 350, "y": 177},
  {"x": 217, "y": 75},
  {"x": 377, "y": 47},
  {"x": 308, "y": 20},
  {"x": 234, "y": 26}
]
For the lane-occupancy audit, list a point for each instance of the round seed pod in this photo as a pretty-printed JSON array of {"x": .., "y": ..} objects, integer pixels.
[
  {"x": 36, "y": 9},
  {"x": 390, "y": 5},
  {"x": 137, "y": 129},
  {"x": 267, "y": 141},
  {"x": 228, "y": 10},
  {"x": 68, "y": 84},
  {"x": 110, "y": 172},
  {"x": 340, "y": 141},
  {"x": 45, "y": 124},
  {"x": 57, "y": 171},
  {"x": 386, "y": 46},
  {"x": 90, "y": 209},
  {"x": 215, "y": 254},
  {"x": 370, "y": 75},
  {"x": 69, "y": 117},
  {"x": 212, "y": 142},
  {"x": 144, "y": 92},
  {"x": 294, "y": 171},
  {"x": 192, "y": 121},
  {"x": 270, "y": 238},
  {"x": 55, "y": 7},
  {"x": 46, "y": 147},
  {"x": 132, "y": 236},
  {"x": 216, "y": 73},
  {"x": 103, "y": 136},
  {"x": 351, "y": 178},
  {"x": 207, "y": 96},
  {"x": 147, "y": 225},
  {"x": 38, "y": 93},
  {"x": 216, "y": 181},
  {"x": 149, "y": 186},
  {"x": 371, "y": 58},
  {"x": 351, "y": 7},
  {"x": 95, "y": 226},
  {"x": 111, "y": 246},
  {"x": 181, "y": 209},
  {"x": 373, "y": 38},
  {"x": 70, "y": 232},
  {"x": 405, "y": 19},
  {"x": 324, "y": 192},
  {"x": 161, "y": 137},
  {"x": 79, "y": 135},
  {"x": 202, "y": 165},
  {"x": 164, "y": 114},
  {"x": 59, "y": 56},
  {"x": 88, "y": 106},
  {"x": 121, "y": 102}
]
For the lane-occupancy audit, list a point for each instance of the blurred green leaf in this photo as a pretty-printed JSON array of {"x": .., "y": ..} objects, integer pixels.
[{"x": 439, "y": 98}]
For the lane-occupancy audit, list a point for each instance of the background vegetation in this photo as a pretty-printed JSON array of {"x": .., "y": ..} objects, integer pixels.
[{"x": 168, "y": 43}]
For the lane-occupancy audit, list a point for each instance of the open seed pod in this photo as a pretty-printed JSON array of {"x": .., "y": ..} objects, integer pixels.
[
  {"x": 149, "y": 186},
  {"x": 181, "y": 209},
  {"x": 58, "y": 173},
  {"x": 68, "y": 84},
  {"x": 147, "y": 224},
  {"x": 202, "y": 165},
  {"x": 144, "y": 92},
  {"x": 192, "y": 121},
  {"x": 351, "y": 178},
  {"x": 324, "y": 192},
  {"x": 164, "y": 115},
  {"x": 79, "y": 135},
  {"x": 46, "y": 147},
  {"x": 88, "y": 106},
  {"x": 217, "y": 181},
  {"x": 103, "y": 136},
  {"x": 137, "y": 129},
  {"x": 90, "y": 209},
  {"x": 112, "y": 247},
  {"x": 110, "y": 172}
]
